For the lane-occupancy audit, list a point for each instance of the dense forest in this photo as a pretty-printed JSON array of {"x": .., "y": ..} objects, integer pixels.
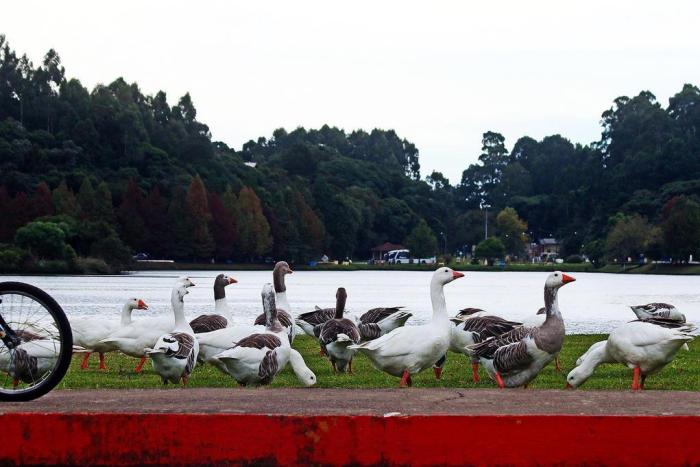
[{"x": 90, "y": 177}]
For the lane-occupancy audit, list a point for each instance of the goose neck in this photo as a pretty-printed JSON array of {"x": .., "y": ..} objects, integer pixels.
[
  {"x": 221, "y": 308},
  {"x": 437, "y": 298},
  {"x": 278, "y": 281},
  {"x": 551, "y": 303},
  {"x": 126, "y": 314},
  {"x": 178, "y": 305}
]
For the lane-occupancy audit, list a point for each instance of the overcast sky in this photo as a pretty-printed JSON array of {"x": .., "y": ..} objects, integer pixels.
[{"x": 439, "y": 73}]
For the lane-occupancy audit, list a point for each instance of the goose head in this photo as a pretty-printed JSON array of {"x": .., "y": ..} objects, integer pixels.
[
  {"x": 222, "y": 280},
  {"x": 136, "y": 304},
  {"x": 184, "y": 281},
  {"x": 557, "y": 279},
  {"x": 281, "y": 269},
  {"x": 444, "y": 276},
  {"x": 180, "y": 289},
  {"x": 577, "y": 377}
]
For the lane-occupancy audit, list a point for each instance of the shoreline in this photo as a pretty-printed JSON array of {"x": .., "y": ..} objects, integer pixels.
[{"x": 647, "y": 269}]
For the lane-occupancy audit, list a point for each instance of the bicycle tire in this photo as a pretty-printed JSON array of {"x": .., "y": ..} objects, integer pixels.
[{"x": 66, "y": 340}]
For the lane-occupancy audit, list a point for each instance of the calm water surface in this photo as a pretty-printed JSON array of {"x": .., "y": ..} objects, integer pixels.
[{"x": 594, "y": 303}]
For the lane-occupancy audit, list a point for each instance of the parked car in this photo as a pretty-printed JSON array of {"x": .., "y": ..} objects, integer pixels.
[{"x": 141, "y": 257}]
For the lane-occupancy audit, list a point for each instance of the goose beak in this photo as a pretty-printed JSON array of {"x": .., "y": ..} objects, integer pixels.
[
  {"x": 568, "y": 386},
  {"x": 457, "y": 274},
  {"x": 142, "y": 305},
  {"x": 289, "y": 271},
  {"x": 438, "y": 372},
  {"x": 231, "y": 280},
  {"x": 566, "y": 278}
]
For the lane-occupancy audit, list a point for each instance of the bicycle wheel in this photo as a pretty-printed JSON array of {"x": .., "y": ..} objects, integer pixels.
[{"x": 36, "y": 342}]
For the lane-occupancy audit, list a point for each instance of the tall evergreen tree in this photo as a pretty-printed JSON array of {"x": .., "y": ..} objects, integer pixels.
[
  {"x": 198, "y": 219},
  {"x": 64, "y": 200},
  {"x": 130, "y": 216}
]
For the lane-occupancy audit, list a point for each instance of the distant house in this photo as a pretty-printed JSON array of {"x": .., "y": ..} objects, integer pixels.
[
  {"x": 544, "y": 248},
  {"x": 379, "y": 251}
]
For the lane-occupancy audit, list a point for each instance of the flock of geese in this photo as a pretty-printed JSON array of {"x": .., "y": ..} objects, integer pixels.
[{"x": 512, "y": 353}]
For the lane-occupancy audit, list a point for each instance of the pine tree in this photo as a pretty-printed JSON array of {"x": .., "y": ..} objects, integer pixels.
[
  {"x": 130, "y": 216},
  {"x": 86, "y": 199},
  {"x": 179, "y": 241},
  {"x": 42, "y": 204},
  {"x": 64, "y": 200},
  {"x": 223, "y": 227},
  {"x": 311, "y": 229},
  {"x": 198, "y": 219},
  {"x": 103, "y": 208},
  {"x": 230, "y": 202},
  {"x": 156, "y": 223},
  {"x": 255, "y": 237}
]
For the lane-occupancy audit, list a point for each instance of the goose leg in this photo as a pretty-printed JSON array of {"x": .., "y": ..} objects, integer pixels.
[
  {"x": 335, "y": 369},
  {"x": 139, "y": 367},
  {"x": 84, "y": 365},
  {"x": 499, "y": 380},
  {"x": 475, "y": 372},
  {"x": 15, "y": 383},
  {"x": 641, "y": 385},
  {"x": 405, "y": 379},
  {"x": 350, "y": 367},
  {"x": 185, "y": 380},
  {"x": 557, "y": 364},
  {"x": 437, "y": 367},
  {"x": 635, "y": 379},
  {"x": 102, "y": 361}
]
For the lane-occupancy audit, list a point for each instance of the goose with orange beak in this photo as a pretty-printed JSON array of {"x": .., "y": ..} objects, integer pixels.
[
  {"x": 411, "y": 349},
  {"x": 515, "y": 358},
  {"x": 88, "y": 332}
]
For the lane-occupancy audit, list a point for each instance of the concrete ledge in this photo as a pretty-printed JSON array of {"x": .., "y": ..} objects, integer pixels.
[{"x": 176, "y": 438}]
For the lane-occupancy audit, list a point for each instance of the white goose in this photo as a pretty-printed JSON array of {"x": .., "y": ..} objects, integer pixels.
[
  {"x": 515, "y": 358},
  {"x": 410, "y": 349},
  {"x": 89, "y": 332},
  {"x": 257, "y": 358},
  {"x": 284, "y": 311},
  {"x": 645, "y": 346},
  {"x": 141, "y": 334},
  {"x": 175, "y": 353},
  {"x": 222, "y": 316}
]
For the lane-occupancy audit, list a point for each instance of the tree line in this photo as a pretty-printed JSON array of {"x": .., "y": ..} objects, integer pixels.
[{"x": 108, "y": 172}]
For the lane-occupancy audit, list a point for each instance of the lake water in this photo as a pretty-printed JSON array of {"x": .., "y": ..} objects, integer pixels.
[{"x": 594, "y": 303}]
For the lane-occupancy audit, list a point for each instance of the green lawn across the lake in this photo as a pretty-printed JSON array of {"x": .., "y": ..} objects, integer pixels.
[{"x": 681, "y": 374}]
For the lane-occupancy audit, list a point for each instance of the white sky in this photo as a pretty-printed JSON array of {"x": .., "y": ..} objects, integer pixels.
[{"x": 439, "y": 73}]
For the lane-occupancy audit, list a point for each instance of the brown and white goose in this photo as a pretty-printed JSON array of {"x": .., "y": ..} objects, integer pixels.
[
  {"x": 536, "y": 320},
  {"x": 515, "y": 358},
  {"x": 379, "y": 321},
  {"x": 337, "y": 334},
  {"x": 311, "y": 321},
  {"x": 257, "y": 358},
  {"x": 221, "y": 317},
  {"x": 470, "y": 329},
  {"x": 284, "y": 311}
]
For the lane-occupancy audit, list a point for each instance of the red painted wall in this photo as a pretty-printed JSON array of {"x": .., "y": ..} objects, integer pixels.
[{"x": 224, "y": 438}]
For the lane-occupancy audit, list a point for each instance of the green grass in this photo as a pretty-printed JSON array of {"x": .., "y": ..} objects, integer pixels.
[{"x": 681, "y": 374}]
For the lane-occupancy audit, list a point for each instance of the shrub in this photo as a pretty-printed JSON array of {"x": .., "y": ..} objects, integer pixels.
[{"x": 573, "y": 259}]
